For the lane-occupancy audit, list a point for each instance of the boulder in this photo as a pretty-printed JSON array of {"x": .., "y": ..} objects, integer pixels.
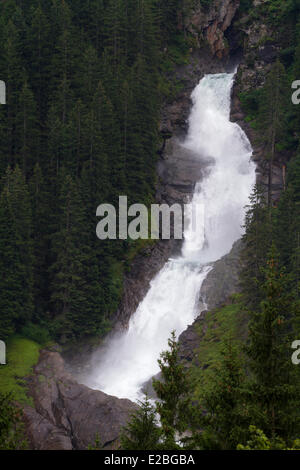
[{"x": 68, "y": 415}]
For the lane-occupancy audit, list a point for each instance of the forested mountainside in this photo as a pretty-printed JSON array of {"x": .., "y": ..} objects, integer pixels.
[{"x": 86, "y": 82}]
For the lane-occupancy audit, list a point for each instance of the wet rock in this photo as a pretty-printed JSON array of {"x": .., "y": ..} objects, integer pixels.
[
  {"x": 223, "y": 279},
  {"x": 137, "y": 281},
  {"x": 210, "y": 24},
  {"x": 68, "y": 415},
  {"x": 189, "y": 341}
]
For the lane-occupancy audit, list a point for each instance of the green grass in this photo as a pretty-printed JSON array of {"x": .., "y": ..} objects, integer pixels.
[
  {"x": 22, "y": 355},
  {"x": 227, "y": 322}
]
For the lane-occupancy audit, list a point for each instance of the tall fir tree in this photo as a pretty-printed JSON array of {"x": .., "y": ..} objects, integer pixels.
[
  {"x": 142, "y": 432},
  {"x": 173, "y": 393},
  {"x": 16, "y": 254},
  {"x": 274, "y": 387},
  {"x": 272, "y": 115}
]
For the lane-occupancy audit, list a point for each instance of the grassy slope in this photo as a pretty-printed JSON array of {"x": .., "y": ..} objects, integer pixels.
[
  {"x": 227, "y": 322},
  {"x": 22, "y": 355}
]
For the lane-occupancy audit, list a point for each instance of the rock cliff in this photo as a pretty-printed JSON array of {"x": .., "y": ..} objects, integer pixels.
[
  {"x": 260, "y": 51},
  {"x": 210, "y": 24},
  {"x": 67, "y": 415}
]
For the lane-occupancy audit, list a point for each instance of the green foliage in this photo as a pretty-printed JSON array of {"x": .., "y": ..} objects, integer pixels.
[
  {"x": 97, "y": 444},
  {"x": 36, "y": 333},
  {"x": 245, "y": 5},
  {"x": 256, "y": 243},
  {"x": 272, "y": 116},
  {"x": 16, "y": 255},
  {"x": 11, "y": 425},
  {"x": 85, "y": 82},
  {"x": 173, "y": 393},
  {"x": 220, "y": 326},
  {"x": 142, "y": 432},
  {"x": 275, "y": 381},
  {"x": 259, "y": 441},
  {"x": 22, "y": 355},
  {"x": 224, "y": 409}
]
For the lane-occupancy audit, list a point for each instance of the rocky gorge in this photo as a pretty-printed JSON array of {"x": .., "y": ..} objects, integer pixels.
[{"x": 67, "y": 415}]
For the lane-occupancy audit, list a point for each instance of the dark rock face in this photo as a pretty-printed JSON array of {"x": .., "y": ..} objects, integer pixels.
[
  {"x": 210, "y": 24},
  {"x": 260, "y": 52},
  {"x": 68, "y": 415},
  {"x": 144, "y": 268},
  {"x": 223, "y": 279},
  {"x": 189, "y": 341}
]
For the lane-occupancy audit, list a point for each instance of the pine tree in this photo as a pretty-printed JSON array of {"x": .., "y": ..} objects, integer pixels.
[
  {"x": 272, "y": 115},
  {"x": 103, "y": 114},
  {"x": 275, "y": 386},
  {"x": 256, "y": 243},
  {"x": 67, "y": 269},
  {"x": 16, "y": 256},
  {"x": 224, "y": 408},
  {"x": 11, "y": 426},
  {"x": 40, "y": 44},
  {"x": 113, "y": 31},
  {"x": 40, "y": 221},
  {"x": 14, "y": 75},
  {"x": 142, "y": 432},
  {"x": 169, "y": 15},
  {"x": 173, "y": 393},
  {"x": 27, "y": 130}
]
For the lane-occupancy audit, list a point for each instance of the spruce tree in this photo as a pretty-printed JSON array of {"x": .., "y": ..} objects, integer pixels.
[
  {"x": 16, "y": 254},
  {"x": 275, "y": 385},
  {"x": 272, "y": 116},
  {"x": 224, "y": 408},
  {"x": 27, "y": 129},
  {"x": 12, "y": 436},
  {"x": 256, "y": 243},
  {"x": 173, "y": 393},
  {"x": 66, "y": 271},
  {"x": 142, "y": 432}
]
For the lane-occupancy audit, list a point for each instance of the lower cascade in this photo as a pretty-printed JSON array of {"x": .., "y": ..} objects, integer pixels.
[{"x": 172, "y": 302}]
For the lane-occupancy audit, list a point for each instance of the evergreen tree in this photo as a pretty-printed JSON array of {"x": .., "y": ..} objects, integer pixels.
[
  {"x": 13, "y": 75},
  {"x": 16, "y": 256},
  {"x": 26, "y": 129},
  {"x": 272, "y": 116},
  {"x": 256, "y": 243},
  {"x": 11, "y": 425},
  {"x": 275, "y": 385},
  {"x": 142, "y": 432},
  {"x": 224, "y": 408},
  {"x": 40, "y": 43},
  {"x": 40, "y": 221},
  {"x": 173, "y": 393},
  {"x": 67, "y": 269}
]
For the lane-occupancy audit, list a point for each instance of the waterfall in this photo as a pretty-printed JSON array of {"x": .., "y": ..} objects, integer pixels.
[{"x": 172, "y": 302}]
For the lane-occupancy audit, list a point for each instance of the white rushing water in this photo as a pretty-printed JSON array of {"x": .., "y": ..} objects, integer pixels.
[{"x": 172, "y": 303}]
